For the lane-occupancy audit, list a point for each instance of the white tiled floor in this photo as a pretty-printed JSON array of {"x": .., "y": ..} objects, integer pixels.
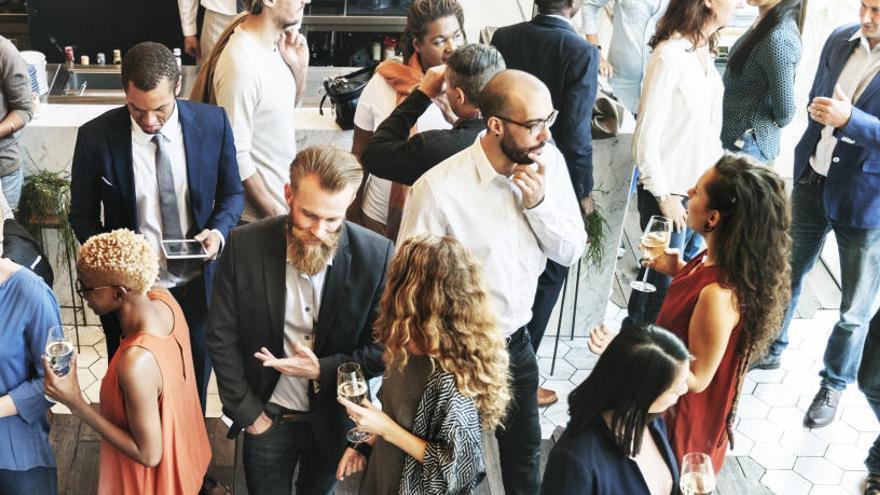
[{"x": 769, "y": 428}]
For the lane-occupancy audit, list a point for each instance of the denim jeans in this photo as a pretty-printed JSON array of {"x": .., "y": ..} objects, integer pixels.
[
  {"x": 11, "y": 185},
  {"x": 859, "y": 252},
  {"x": 39, "y": 480},
  {"x": 750, "y": 147},
  {"x": 869, "y": 383},
  {"x": 644, "y": 307},
  {"x": 519, "y": 442},
  {"x": 270, "y": 460}
]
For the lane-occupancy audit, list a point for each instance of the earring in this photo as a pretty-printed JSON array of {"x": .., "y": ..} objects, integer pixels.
[{"x": 707, "y": 227}]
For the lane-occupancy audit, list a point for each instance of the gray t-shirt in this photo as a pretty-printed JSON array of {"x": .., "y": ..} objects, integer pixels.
[
  {"x": 401, "y": 392},
  {"x": 15, "y": 96}
]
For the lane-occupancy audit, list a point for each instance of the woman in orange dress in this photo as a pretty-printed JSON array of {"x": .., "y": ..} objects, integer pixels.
[
  {"x": 154, "y": 437},
  {"x": 726, "y": 304}
]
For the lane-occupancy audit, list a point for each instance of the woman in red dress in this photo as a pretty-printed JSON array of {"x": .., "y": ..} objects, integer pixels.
[{"x": 727, "y": 303}]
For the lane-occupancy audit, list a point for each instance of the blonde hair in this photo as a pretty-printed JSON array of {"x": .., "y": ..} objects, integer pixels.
[
  {"x": 120, "y": 257},
  {"x": 434, "y": 297},
  {"x": 334, "y": 167}
]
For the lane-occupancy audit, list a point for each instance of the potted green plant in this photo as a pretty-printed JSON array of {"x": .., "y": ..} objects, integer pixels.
[{"x": 45, "y": 203}]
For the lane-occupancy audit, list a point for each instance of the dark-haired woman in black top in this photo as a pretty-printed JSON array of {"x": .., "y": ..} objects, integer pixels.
[{"x": 616, "y": 441}]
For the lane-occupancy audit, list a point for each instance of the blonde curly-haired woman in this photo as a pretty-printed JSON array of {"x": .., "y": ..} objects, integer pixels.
[
  {"x": 446, "y": 375},
  {"x": 154, "y": 437}
]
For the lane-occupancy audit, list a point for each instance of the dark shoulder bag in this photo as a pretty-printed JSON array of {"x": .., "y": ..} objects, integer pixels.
[{"x": 344, "y": 92}]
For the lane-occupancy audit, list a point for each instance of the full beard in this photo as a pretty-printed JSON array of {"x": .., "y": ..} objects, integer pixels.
[
  {"x": 517, "y": 154},
  {"x": 310, "y": 258}
]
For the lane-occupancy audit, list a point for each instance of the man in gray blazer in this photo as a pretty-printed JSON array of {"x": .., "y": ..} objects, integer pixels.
[{"x": 303, "y": 287}]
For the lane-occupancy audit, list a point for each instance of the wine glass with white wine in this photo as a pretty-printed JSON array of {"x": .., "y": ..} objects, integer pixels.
[
  {"x": 697, "y": 474},
  {"x": 654, "y": 242},
  {"x": 351, "y": 385},
  {"x": 59, "y": 351}
]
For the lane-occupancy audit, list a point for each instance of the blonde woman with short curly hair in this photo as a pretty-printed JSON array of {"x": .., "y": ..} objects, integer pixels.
[
  {"x": 446, "y": 375},
  {"x": 153, "y": 435}
]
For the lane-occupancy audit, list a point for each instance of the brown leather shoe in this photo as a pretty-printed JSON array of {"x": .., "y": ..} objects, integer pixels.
[{"x": 546, "y": 397}]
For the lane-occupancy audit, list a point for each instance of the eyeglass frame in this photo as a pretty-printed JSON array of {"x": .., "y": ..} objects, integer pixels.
[
  {"x": 537, "y": 125},
  {"x": 443, "y": 41},
  {"x": 82, "y": 290}
]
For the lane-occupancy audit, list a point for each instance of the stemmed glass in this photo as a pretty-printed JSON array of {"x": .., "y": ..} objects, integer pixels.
[
  {"x": 654, "y": 242},
  {"x": 59, "y": 351},
  {"x": 697, "y": 474},
  {"x": 351, "y": 385}
]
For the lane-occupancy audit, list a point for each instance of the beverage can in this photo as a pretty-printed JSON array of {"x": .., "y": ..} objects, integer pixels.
[
  {"x": 84, "y": 60},
  {"x": 117, "y": 56},
  {"x": 68, "y": 54},
  {"x": 101, "y": 59}
]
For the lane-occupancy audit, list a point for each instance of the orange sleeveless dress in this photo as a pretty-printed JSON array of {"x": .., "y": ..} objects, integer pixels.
[
  {"x": 186, "y": 450},
  {"x": 698, "y": 422}
]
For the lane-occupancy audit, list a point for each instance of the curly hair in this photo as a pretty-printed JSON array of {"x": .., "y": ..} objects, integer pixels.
[
  {"x": 120, "y": 257},
  {"x": 686, "y": 17},
  {"x": 753, "y": 246},
  {"x": 434, "y": 297},
  {"x": 421, "y": 12}
]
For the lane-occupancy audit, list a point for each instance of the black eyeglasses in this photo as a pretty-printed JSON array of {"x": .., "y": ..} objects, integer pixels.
[
  {"x": 535, "y": 127},
  {"x": 82, "y": 290}
]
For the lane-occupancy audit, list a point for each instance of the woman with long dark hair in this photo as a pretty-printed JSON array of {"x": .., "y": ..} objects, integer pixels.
[
  {"x": 615, "y": 420},
  {"x": 759, "y": 80},
  {"x": 727, "y": 303},
  {"x": 678, "y": 127},
  {"x": 446, "y": 379}
]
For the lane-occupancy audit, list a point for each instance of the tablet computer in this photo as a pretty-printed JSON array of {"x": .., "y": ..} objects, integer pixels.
[{"x": 178, "y": 249}]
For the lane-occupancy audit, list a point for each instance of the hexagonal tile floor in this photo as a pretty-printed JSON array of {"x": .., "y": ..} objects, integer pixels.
[{"x": 769, "y": 430}]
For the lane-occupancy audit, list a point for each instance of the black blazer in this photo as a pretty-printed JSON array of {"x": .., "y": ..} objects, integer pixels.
[
  {"x": 103, "y": 174},
  {"x": 392, "y": 154},
  {"x": 551, "y": 50},
  {"x": 247, "y": 312}
]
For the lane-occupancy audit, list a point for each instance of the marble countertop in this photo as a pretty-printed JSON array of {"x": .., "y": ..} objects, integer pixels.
[{"x": 59, "y": 115}]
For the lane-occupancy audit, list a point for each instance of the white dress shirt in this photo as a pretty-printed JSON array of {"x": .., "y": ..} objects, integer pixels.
[
  {"x": 464, "y": 197},
  {"x": 146, "y": 187},
  {"x": 302, "y": 304},
  {"x": 678, "y": 132},
  {"x": 189, "y": 10},
  {"x": 861, "y": 68}
]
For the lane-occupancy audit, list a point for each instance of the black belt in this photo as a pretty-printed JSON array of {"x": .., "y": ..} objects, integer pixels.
[
  {"x": 276, "y": 412},
  {"x": 516, "y": 336},
  {"x": 812, "y": 177}
]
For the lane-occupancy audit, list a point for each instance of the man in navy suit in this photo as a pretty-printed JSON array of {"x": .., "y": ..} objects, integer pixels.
[
  {"x": 549, "y": 48},
  {"x": 837, "y": 188},
  {"x": 165, "y": 168}
]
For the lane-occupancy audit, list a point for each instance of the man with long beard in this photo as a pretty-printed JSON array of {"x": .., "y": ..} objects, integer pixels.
[
  {"x": 509, "y": 200},
  {"x": 303, "y": 287}
]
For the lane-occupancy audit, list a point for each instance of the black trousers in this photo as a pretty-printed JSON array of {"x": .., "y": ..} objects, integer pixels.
[
  {"x": 194, "y": 304},
  {"x": 549, "y": 285},
  {"x": 519, "y": 442}
]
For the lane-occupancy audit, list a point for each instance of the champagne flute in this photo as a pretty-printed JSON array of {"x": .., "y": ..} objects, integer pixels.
[
  {"x": 654, "y": 242},
  {"x": 697, "y": 474},
  {"x": 351, "y": 385}
]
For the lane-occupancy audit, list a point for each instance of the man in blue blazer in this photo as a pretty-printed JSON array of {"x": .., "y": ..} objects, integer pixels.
[
  {"x": 837, "y": 188},
  {"x": 165, "y": 168},
  {"x": 549, "y": 48}
]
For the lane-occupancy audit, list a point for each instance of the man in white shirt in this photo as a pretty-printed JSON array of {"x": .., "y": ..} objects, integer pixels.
[
  {"x": 164, "y": 168},
  {"x": 218, "y": 15},
  {"x": 258, "y": 79},
  {"x": 508, "y": 198}
]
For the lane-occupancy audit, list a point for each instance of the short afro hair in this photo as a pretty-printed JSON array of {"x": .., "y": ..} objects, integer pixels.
[
  {"x": 147, "y": 64},
  {"x": 120, "y": 257}
]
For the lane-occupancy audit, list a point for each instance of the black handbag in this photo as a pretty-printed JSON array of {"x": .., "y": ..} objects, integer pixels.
[{"x": 344, "y": 93}]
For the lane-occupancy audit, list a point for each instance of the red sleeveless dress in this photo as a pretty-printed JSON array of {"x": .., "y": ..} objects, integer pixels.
[
  {"x": 186, "y": 451},
  {"x": 698, "y": 422}
]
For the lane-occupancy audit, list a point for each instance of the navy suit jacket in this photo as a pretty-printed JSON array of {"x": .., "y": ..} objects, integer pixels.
[
  {"x": 551, "y": 50},
  {"x": 852, "y": 190},
  {"x": 103, "y": 174}
]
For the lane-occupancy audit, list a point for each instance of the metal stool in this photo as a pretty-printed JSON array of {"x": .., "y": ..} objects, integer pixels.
[
  {"x": 577, "y": 283},
  {"x": 77, "y": 306}
]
